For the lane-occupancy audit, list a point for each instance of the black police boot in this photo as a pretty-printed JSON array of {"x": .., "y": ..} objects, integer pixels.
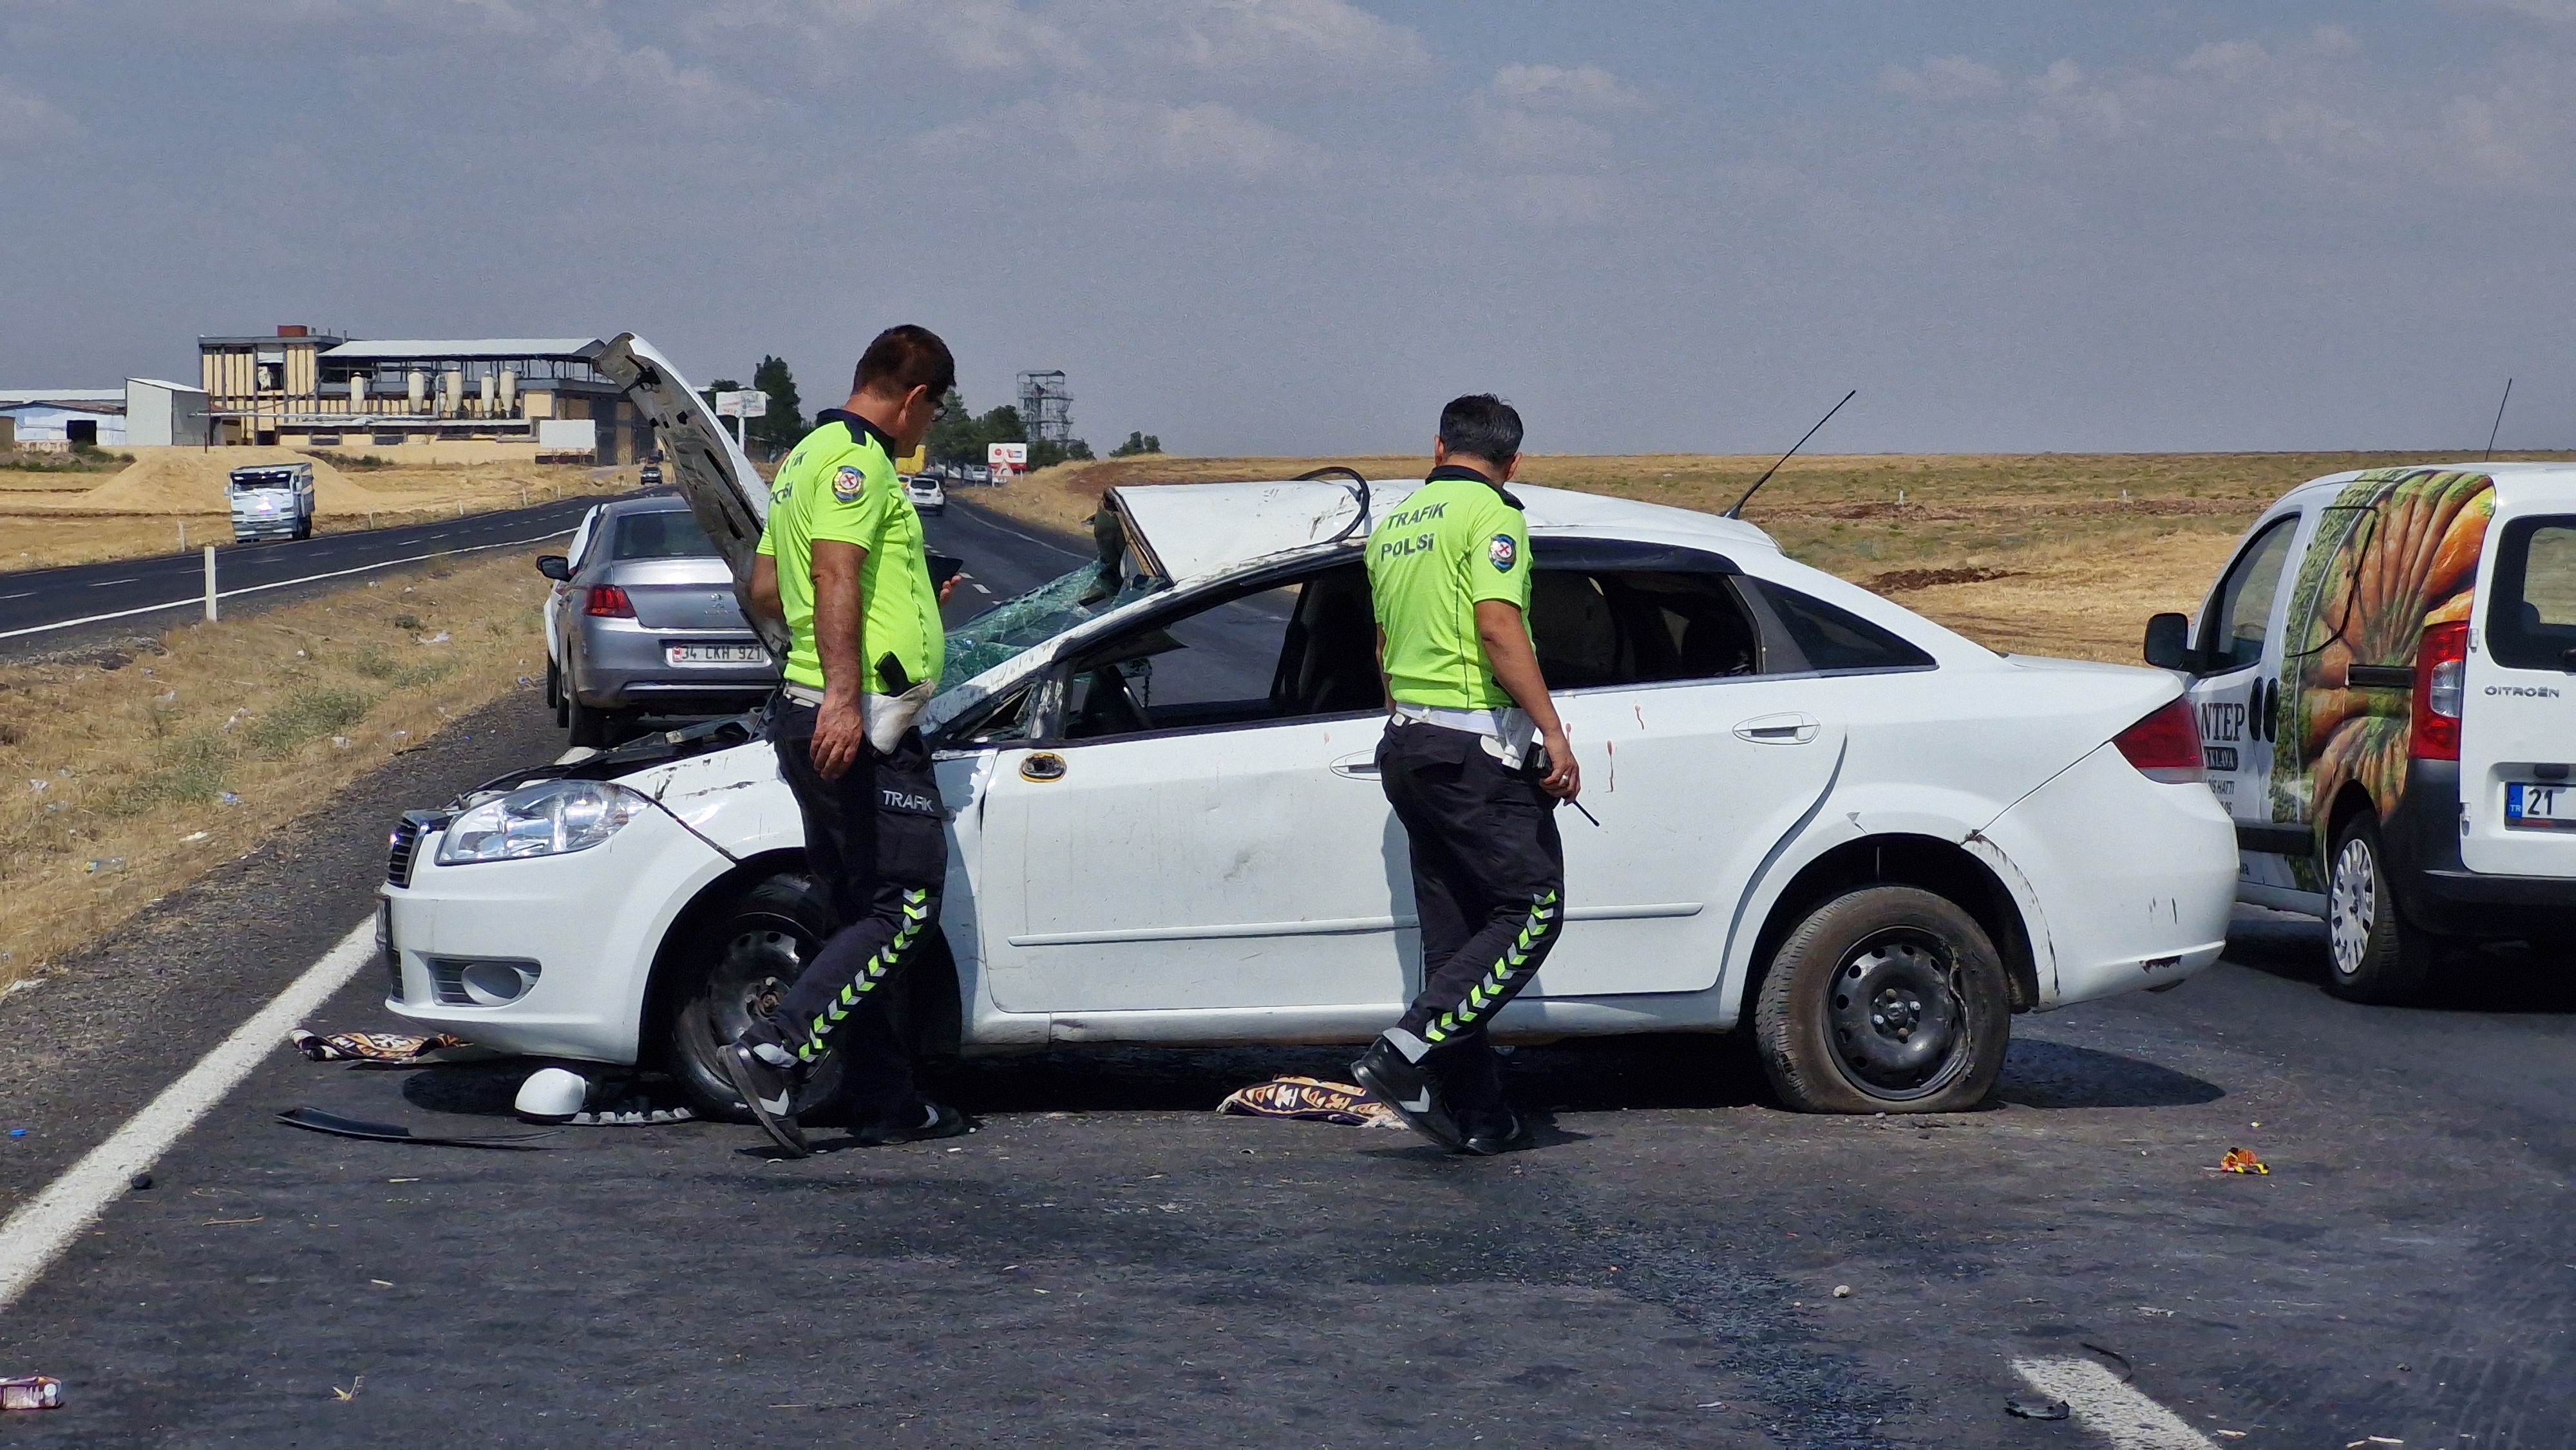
[
  {"x": 1393, "y": 1072},
  {"x": 1489, "y": 1130},
  {"x": 917, "y": 1121},
  {"x": 767, "y": 1075}
]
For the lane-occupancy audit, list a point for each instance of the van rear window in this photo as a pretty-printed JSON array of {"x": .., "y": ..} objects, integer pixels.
[{"x": 2531, "y": 619}]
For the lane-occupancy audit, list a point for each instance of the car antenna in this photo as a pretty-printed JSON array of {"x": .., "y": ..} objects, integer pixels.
[
  {"x": 1737, "y": 512},
  {"x": 1359, "y": 521},
  {"x": 2499, "y": 422}
]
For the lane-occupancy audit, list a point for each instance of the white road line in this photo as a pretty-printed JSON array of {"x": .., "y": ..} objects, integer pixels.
[
  {"x": 104, "y": 583},
  {"x": 978, "y": 588},
  {"x": 992, "y": 523},
  {"x": 193, "y": 600},
  {"x": 46, "y": 1225},
  {"x": 2109, "y": 1406},
  {"x": 21, "y": 594}
]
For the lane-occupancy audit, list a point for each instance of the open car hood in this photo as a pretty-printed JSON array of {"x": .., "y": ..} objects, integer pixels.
[{"x": 721, "y": 486}]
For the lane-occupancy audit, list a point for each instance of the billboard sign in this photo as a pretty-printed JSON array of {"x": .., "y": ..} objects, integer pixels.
[
  {"x": 742, "y": 403},
  {"x": 1013, "y": 456}
]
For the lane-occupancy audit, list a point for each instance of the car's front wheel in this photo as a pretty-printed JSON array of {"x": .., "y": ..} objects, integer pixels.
[
  {"x": 741, "y": 965},
  {"x": 2372, "y": 956},
  {"x": 1888, "y": 999}
]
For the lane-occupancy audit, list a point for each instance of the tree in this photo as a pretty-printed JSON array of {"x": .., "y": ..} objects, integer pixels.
[
  {"x": 778, "y": 429},
  {"x": 1137, "y": 443},
  {"x": 720, "y": 385},
  {"x": 1048, "y": 455}
]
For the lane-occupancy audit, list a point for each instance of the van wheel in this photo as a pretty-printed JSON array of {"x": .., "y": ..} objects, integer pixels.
[
  {"x": 2372, "y": 956},
  {"x": 1888, "y": 999},
  {"x": 743, "y": 963}
]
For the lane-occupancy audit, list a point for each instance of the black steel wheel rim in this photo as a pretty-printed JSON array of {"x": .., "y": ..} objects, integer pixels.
[
  {"x": 1896, "y": 1019},
  {"x": 752, "y": 973}
]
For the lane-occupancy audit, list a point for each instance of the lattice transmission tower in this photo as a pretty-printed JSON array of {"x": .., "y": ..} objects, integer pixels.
[{"x": 1046, "y": 407}]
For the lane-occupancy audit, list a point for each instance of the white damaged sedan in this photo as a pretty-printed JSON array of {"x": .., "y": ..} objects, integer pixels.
[{"x": 1878, "y": 839}]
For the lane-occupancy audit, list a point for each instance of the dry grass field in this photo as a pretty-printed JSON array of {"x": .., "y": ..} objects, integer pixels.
[
  {"x": 50, "y": 516},
  {"x": 124, "y": 774},
  {"x": 2050, "y": 553}
]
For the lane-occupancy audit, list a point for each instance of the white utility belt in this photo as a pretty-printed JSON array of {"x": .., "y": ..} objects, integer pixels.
[
  {"x": 888, "y": 716},
  {"x": 1506, "y": 730}
]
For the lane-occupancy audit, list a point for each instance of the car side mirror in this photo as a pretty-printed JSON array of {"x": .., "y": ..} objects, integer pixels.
[
  {"x": 555, "y": 567},
  {"x": 2169, "y": 644}
]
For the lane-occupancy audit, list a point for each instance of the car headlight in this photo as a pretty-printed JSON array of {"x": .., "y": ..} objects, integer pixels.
[{"x": 546, "y": 819}]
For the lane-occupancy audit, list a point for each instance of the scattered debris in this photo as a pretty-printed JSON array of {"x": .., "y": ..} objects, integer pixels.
[
  {"x": 2241, "y": 1160},
  {"x": 2370, "y": 1440},
  {"x": 234, "y": 1222},
  {"x": 2153, "y": 1312},
  {"x": 230, "y": 799},
  {"x": 2038, "y": 1409},
  {"x": 192, "y": 836},
  {"x": 139, "y": 1180},
  {"x": 319, "y": 1121},
  {"x": 371, "y": 1046},
  {"x": 105, "y": 863},
  {"x": 17, "y": 1132},
  {"x": 351, "y": 1393},
  {"x": 439, "y": 638},
  {"x": 31, "y": 1392},
  {"x": 1842, "y": 1291},
  {"x": 1310, "y": 1100},
  {"x": 2127, "y": 1372}
]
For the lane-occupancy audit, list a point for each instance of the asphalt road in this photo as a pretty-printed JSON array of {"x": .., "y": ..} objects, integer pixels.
[
  {"x": 171, "y": 587},
  {"x": 1108, "y": 1261}
]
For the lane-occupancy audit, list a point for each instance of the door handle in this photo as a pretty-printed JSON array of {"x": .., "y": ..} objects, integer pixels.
[
  {"x": 1042, "y": 766},
  {"x": 1785, "y": 729},
  {"x": 1357, "y": 767}
]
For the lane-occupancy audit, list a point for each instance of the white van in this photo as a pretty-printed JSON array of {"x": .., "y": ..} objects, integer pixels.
[
  {"x": 272, "y": 501},
  {"x": 2384, "y": 675}
]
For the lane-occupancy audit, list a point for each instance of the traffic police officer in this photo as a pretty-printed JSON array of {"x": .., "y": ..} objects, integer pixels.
[
  {"x": 1449, "y": 572},
  {"x": 842, "y": 562}
]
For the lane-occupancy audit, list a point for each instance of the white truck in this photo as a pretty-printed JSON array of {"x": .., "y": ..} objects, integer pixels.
[{"x": 272, "y": 501}]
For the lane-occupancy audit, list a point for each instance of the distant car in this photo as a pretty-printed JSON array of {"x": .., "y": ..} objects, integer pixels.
[
  {"x": 652, "y": 475},
  {"x": 657, "y": 629},
  {"x": 926, "y": 494},
  {"x": 1869, "y": 837},
  {"x": 559, "y": 593},
  {"x": 272, "y": 501},
  {"x": 2382, "y": 675}
]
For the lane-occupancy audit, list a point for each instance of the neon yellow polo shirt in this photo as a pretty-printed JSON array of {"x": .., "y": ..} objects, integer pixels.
[
  {"x": 1456, "y": 540},
  {"x": 840, "y": 485}
]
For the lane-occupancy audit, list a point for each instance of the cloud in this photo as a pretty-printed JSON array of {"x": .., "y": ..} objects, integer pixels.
[
  {"x": 1258, "y": 35},
  {"x": 1549, "y": 87},
  {"x": 1105, "y": 136},
  {"x": 29, "y": 120},
  {"x": 1558, "y": 199},
  {"x": 1527, "y": 137},
  {"x": 1942, "y": 78}
]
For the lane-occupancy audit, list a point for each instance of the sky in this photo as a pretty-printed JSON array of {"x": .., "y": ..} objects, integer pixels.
[{"x": 1299, "y": 226}]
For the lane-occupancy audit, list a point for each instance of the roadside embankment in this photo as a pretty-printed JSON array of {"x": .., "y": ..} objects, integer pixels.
[
  {"x": 126, "y": 772},
  {"x": 2044, "y": 553}
]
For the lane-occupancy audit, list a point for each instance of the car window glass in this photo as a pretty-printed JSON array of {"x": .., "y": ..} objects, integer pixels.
[
  {"x": 2243, "y": 618},
  {"x": 2531, "y": 623},
  {"x": 1625, "y": 627},
  {"x": 1821, "y": 636},
  {"x": 1277, "y": 653},
  {"x": 672, "y": 535}
]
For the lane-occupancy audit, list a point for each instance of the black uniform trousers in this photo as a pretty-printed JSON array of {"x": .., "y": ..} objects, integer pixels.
[
  {"x": 875, "y": 843},
  {"x": 1488, "y": 883}
]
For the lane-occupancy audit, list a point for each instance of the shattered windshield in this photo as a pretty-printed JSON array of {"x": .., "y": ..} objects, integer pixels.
[{"x": 1009, "y": 628}]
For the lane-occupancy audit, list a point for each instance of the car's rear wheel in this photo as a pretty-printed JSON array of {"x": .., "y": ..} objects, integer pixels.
[
  {"x": 554, "y": 690},
  {"x": 591, "y": 727},
  {"x": 1888, "y": 999},
  {"x": 741, "y": 965},
  {"x": 2372, "y": 955}
]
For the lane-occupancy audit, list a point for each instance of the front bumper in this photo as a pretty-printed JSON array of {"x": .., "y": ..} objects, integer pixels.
[
  {"x": 590, "y": 923},
  {"x": 2421, "y": 840}
]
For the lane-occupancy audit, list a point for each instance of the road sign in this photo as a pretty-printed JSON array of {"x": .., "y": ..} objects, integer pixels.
[
  {"x": 746, "y": 403},
  {"x": 1013, "y": 456}
]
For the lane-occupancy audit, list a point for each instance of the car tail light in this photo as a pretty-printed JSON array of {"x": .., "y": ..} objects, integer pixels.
[
  {"x": 609, "y": 602},
  {"x": 2165, "y": 746},
  {"x": 2441, "y": 667}
]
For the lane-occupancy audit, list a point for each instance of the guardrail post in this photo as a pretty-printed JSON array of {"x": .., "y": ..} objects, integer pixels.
[{"x": 210, "y": 584}]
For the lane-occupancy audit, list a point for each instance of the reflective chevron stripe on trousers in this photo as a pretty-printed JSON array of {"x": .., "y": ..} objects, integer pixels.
[
  {"x": 1488, "y": 882},
  {"x": 877, "y": 847}
]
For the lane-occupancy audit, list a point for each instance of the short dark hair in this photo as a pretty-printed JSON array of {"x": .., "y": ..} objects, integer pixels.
[
  {"x": 1481, "y": 425},
  {"x": 906, "y": 357}
]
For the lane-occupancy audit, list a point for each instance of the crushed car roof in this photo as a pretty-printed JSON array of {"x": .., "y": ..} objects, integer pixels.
[{"x": 1195, "y": 529}]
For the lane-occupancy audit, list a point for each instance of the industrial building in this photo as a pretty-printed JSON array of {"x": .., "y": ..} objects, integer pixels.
[
  {"x": 56, "y": 418},
  {"x": 454, "y": 401}
]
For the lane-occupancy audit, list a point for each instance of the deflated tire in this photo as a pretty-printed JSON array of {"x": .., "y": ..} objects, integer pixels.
[{"x": 1888, "y": 999}]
